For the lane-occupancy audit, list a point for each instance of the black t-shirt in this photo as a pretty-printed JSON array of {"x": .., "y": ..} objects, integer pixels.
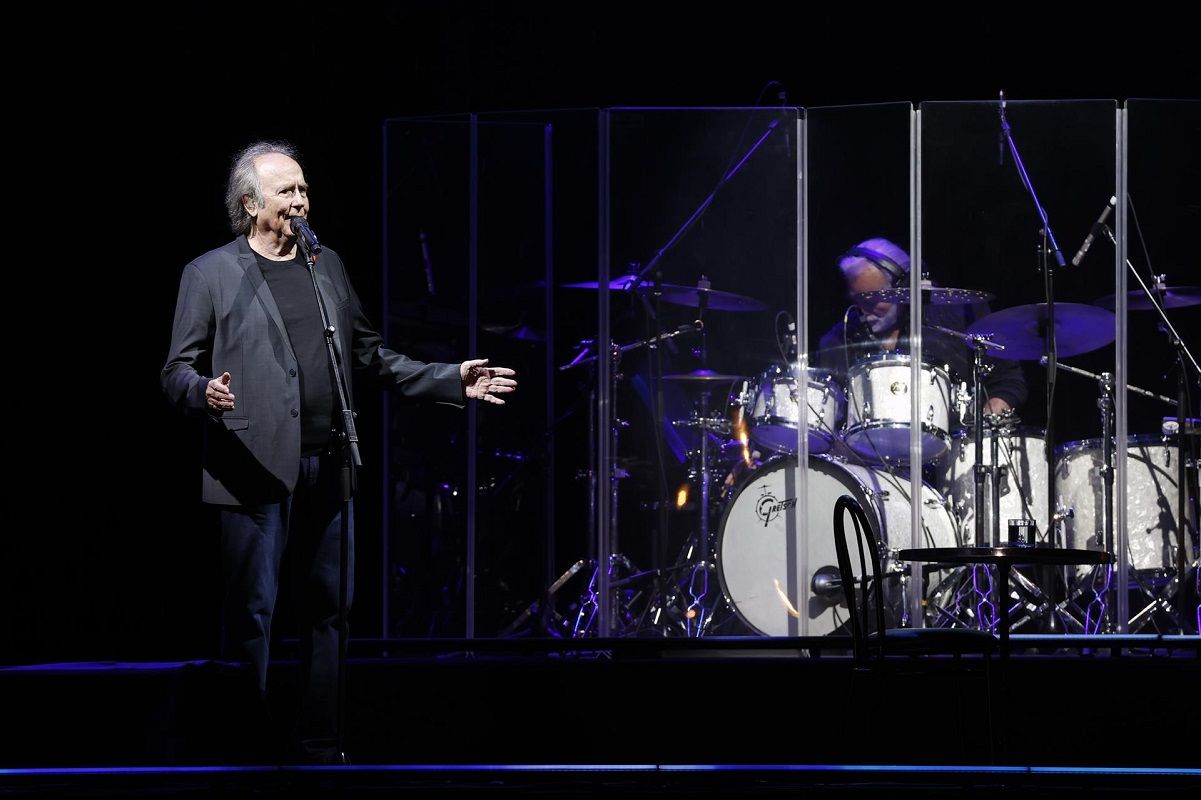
[{"x": 292, "y": 287}]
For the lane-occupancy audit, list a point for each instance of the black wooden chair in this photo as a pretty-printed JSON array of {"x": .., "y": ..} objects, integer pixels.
[{"x": 873, "y": 642}]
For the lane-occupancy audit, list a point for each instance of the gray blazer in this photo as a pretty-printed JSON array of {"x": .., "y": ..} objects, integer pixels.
[{"x": 227, "y": 321}]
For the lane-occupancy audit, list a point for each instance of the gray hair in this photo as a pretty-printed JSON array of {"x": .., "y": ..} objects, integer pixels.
[
  {"x": 852, "y": 264},
  {"x": 244, "y": 180}
]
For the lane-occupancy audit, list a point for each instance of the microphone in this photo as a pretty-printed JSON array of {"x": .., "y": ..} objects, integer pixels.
[
  {"x": 1088, "y": 240},
  {"x": 429, "y": 268},
  {"x": 302, "y": 231}
]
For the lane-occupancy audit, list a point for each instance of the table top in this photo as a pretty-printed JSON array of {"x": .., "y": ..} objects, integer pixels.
[{"x": 1007, "y": 554}]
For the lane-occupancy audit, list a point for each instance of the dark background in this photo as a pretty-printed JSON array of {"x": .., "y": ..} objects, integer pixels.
[{"x": 107, "y": 551}]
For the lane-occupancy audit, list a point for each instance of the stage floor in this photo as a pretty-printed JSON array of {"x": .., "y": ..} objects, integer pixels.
[{"x": 586, "y": 716}]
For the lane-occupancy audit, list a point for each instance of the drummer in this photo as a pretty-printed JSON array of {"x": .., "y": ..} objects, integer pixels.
[{"x": 874, "y": 328}]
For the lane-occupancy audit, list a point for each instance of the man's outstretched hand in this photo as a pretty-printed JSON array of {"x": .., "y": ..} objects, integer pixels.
[{"x": 482, "y": 382}]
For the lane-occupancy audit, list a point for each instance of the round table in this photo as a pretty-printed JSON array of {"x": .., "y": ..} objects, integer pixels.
[{"x": 1005, "y": 557}]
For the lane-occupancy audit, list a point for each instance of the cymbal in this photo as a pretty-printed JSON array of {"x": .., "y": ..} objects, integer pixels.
[
  {"x": 617, "y": 284},
  {"x": 680, "y": 295},
  {"x": 1079, "y": 328},
  {"x": 719, "y": 424},
  {"x": 714, "y": 300},
  {"x": 1169, "y": 297},
  {"x": 702, "y": 375},
  {"x": 934, "y": 295}
]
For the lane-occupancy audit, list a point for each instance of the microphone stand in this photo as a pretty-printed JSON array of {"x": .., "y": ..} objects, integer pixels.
[
  {"x": 348, "y": 450},
  {"x": 1047, "y": 246},
  {"x": 702, "y": 208}
]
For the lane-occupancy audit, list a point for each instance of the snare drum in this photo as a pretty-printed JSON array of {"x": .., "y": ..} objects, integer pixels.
[
  {"x": 772, "y": 409},
  {"x": 878, "y": 413}
]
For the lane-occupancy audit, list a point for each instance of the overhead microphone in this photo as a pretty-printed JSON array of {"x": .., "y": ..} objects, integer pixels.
[
  {"x": 1088, "y": 240},
  {"x": 301, "y": 230}
]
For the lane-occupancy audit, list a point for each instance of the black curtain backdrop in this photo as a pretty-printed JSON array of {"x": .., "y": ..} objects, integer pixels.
[{"x": 108, "y": 553}]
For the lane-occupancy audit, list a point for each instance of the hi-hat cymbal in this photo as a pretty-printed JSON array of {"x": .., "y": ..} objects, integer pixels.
[
  {"x": 1169, "y": 297},
  {"x": 680, "y": 295},
  {"x": 934, "y": 295},
  {"x": 702, "y": 375},
  {"x": 1079, "y": 328}
]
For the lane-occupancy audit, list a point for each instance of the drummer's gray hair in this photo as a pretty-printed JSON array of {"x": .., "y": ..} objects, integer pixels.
[{"x": 852, "y": 265}]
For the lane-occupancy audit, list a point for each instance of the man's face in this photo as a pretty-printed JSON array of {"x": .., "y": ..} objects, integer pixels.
[
  {"x": 869, "y": 280},
  {"x": 285, "y": 195}
]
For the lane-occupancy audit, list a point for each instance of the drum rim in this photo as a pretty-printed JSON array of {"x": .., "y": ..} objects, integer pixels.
[
  {"x": 1135, "y": 439},
  {"x": 782, "y": 368},
  {"x": 778, "y": 462},
  {"x": 902, "y": 359},
  {"x": 828, "y": 381},
  {"x": 787, "y": 424},
  {"x": 963, "y": 432},
  {"x": 938, "y": 433}
]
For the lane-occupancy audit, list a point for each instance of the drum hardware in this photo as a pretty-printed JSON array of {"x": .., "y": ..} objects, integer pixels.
[
  {"x": 980, "y": 341},
  {"x": 1152, "y": 501},
  {"x": 690, "y": 606},
  {"x": 702, "y": 297},
  {"x": 1102, "y": 606},
  {"x": 1158, "y": 297},
  {"x": 620, "y": 575}
]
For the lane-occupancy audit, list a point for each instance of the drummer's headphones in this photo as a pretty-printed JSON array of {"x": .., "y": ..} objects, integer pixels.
[{"x": 899, "y": 275}]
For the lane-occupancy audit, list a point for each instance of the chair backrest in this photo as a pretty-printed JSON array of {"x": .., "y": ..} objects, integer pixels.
[{"x": 872, "y": 603}]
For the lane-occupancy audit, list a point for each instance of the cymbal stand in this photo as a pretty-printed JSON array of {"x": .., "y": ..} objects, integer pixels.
[
  {"x": 589, "y": 604},
  {"x": 690, "y": 576}
]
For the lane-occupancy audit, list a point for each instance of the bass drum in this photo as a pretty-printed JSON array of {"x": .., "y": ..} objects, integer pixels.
[{"x": 760, "y": 533}]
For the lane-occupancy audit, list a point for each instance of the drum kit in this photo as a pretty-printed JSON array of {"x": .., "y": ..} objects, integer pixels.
[{"x": 979, "y": 484}]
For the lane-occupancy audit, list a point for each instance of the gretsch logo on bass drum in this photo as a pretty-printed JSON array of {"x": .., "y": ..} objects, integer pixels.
[{"x": 769, "y": 506}]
